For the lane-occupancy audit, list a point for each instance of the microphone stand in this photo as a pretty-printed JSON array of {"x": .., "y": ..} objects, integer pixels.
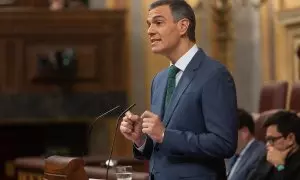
[
  {"x": 114, "y": 139},
  {"x": 102, "y": 115}
]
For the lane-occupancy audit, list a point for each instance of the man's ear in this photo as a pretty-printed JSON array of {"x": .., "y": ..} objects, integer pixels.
[
  {"x": 183, "y": 26},
  {"x": 291, "y": 138}
]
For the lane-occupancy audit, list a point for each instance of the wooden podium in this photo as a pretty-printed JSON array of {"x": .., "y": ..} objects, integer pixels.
[{"x": 64, "y": 168}]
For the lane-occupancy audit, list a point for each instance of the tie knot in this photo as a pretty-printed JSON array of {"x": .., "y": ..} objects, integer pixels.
[{"x": 173, "y": 70}]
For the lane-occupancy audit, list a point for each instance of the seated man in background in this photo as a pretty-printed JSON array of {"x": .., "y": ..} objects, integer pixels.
[
  {"x": 249, "y": 150},
  {"x": 282, "y": 160},
  {"x": 56, "y": 5}
]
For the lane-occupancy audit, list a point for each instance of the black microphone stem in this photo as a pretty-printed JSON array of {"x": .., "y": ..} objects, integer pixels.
[
  {"x": 93, "y": 123},
  {"x": 114, "y": 139},
  {"x": 102, "y": 115}
]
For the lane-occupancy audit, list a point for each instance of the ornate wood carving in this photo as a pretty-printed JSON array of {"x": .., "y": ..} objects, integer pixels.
[
  {"x": 287, "y": 41},
  {"x": 97, "y": 38}
]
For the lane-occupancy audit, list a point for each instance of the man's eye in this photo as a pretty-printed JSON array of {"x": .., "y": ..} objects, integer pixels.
[{"x": 158, "y": 23}]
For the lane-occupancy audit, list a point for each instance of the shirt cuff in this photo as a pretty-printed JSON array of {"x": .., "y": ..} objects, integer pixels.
[{"x": 142, "y": 147}]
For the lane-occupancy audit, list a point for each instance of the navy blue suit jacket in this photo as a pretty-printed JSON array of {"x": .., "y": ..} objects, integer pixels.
[
  {"x": 248, "y": 162},
  {"x": 200, "y": 121}
]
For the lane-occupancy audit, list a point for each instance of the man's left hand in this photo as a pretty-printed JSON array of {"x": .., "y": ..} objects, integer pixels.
[
  {"x": 153, "y": 126},
  {"x": 277, "y": 157}
]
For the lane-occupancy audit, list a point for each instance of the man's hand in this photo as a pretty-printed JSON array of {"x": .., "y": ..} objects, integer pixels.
[
  {"x": 153, "y": 126},
  {"x": 131, "y": 128},
  {"x": 277, "y": 157}
]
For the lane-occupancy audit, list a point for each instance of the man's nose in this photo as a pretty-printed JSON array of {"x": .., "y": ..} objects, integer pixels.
[
  {"x": 151, "y": 30},
  {"x": 268, "y": 145}
]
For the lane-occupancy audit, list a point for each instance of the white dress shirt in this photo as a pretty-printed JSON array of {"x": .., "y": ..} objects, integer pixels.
[
  {"x": 184, "y": 61},
  {"x": 181, "y": 64}
]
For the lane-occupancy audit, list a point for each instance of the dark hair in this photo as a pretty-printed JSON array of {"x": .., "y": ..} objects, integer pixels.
[
  {"x": 245, "y": 120},
  {"x": 180, "y": 9},
  {"x": 287, "y": 122}
]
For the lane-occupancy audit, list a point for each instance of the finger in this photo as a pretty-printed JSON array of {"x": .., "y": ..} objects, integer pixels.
[
  {"x": 134, "y": 118},
  {"x": 128, "y": 135},
  {"x": 268, "y": 158},
  {"x": 148, "y": 120},
  {"x": 128, "y": 114},
  {"x": 148, "y": 114},
  {"x": 146, "y": 131},
  {"x": 147, "y": 125},
  {"x": 270, "y": 148},
  {"x": 124, "y": 129},
  {"x": 127, "y": 125},
  {"x": 286, "y": 151},
  {"x": 125, "y": 119}
]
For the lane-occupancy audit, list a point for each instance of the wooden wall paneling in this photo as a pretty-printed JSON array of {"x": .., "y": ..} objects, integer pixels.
[
  {"x": 9, "y": 65},
  {"x": 2, "y": 63},
  {"x": 19, "y": 64},
  {"x": 11, "y": 62},
  {"x": 97, "y": 37},
  {"x": 28, "y": 3}
]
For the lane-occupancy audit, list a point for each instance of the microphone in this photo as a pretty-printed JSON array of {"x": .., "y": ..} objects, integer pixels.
[
  {"x": 96, "y": 119},
  {"x": 114, "y": 139},
  {"x": 101, "y": 116}
]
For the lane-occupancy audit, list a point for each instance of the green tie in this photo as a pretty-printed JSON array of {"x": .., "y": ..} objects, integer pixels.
[{"x": 173, "y": 70}]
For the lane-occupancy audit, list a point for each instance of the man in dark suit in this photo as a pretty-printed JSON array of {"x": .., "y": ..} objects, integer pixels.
[
  {"x": 192, "y": 124},
  {"x": 282, "y": 159},
  {"x": 249, "y": 150}
]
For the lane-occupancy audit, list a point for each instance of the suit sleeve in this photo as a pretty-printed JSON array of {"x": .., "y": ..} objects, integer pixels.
[
  {"x": 219, "y": 111},
  {"x": 147, "y": 151}
]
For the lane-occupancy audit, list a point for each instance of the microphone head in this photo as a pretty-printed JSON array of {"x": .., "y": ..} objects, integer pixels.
[
  {"x": 127, "y": 109},
  {"x": 100, "y": 116}
]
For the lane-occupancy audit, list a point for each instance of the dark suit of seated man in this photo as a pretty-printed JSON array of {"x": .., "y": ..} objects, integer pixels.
[
  {"x": 192, "y": 125},
  {"x": 249, "y": 149},
  {"x": 282, "y": 159}
]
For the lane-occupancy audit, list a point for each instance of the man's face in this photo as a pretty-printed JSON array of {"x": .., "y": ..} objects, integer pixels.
[
  {"x": 243, "y": 135},
  {"x": 164, "y": 33},
  {"x": 276, "y": 140}
]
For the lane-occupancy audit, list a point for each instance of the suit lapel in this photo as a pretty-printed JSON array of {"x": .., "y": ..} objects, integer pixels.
[
  {"x": 245, "y": 158},
  {"x": 161, "y": 96},
  {"x": 185, "y": 80}
]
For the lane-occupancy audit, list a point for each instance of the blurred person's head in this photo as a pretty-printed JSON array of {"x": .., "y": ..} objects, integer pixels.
[
  {"x": 246, "y": 129},
  {"x": 56, "y": 5},
  {"x": 283, "y": 131},
  {"x": 171, "y": 27}
]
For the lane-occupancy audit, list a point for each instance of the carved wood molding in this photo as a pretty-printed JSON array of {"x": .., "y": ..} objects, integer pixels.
[
  {"x": 97, "y": 37},
  {"x": 289, "y": 17},
  {"x": 7, "y": 2},
  {"x": 288, "y": 40}
]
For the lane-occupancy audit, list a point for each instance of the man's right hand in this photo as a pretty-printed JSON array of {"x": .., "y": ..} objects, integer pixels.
[{"x": 131, "y": 128}]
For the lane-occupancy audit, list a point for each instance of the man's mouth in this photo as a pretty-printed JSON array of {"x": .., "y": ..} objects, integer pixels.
[{"x": 154, "y": 40}]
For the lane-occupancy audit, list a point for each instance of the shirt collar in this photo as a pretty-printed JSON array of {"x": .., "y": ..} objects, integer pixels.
[
  {"x": 184, "y": 60},
  {"x": 247, "y": 147}
]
